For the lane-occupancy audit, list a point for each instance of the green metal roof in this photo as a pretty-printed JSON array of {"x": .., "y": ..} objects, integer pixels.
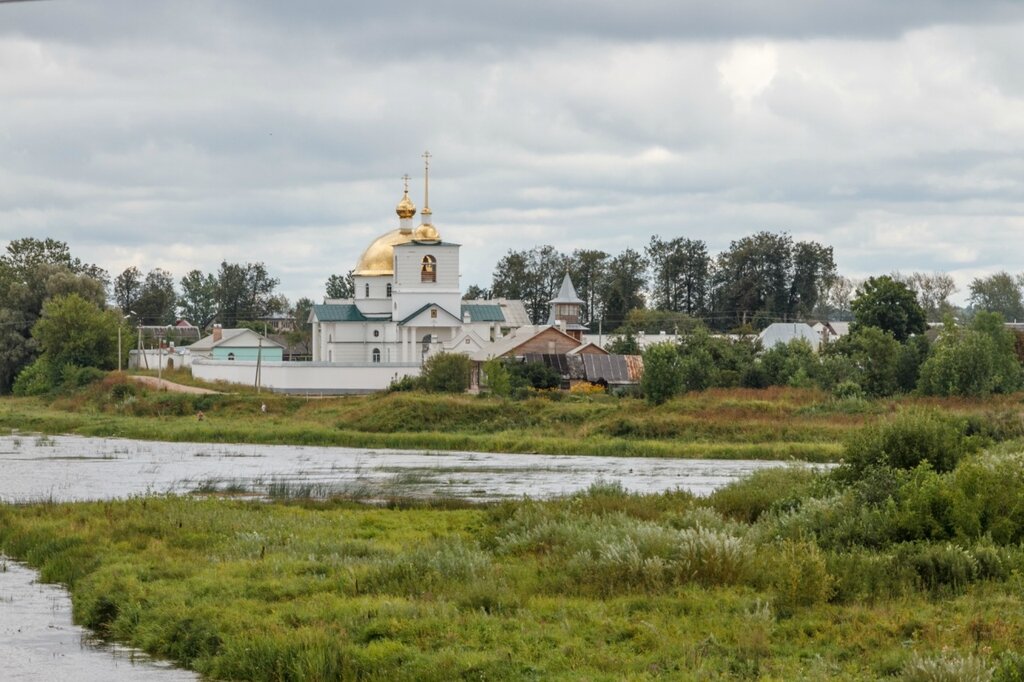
[
  {"x": 338, "y": 312},
  {"x": 429, "y": 305},
  {"x": 483, "y": 313}
]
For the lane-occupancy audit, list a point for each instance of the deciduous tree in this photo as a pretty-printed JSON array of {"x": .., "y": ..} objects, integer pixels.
[{"x": 889, "y": 305}]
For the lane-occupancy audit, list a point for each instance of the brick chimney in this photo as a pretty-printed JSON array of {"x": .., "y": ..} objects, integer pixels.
[{"x": 218, "y": 333}]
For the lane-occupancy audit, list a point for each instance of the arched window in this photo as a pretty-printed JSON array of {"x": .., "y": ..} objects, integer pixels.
[
  {"x": 231, "y": 356},
  {"x": 428, "y": 269},
  {"x": 367, "y": 290},
  {"x": 376, "y": 354},
  {"x": 389, "y": 289}
]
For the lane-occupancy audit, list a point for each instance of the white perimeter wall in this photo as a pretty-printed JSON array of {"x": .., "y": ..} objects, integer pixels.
[{"x": 305, "y": 377}]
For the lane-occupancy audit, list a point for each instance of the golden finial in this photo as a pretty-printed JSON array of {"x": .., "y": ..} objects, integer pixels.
[
  {"x": 426, "y": 184},
  {"x": 405, "y": 209}
]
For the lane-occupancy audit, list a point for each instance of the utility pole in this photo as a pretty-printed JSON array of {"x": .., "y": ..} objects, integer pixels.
[
  {"x": 119, "y": 347},
  {"x": 142, "y": 351},
  {"x": 160, "y": 362},
  {"x": 259, "y": 358}
]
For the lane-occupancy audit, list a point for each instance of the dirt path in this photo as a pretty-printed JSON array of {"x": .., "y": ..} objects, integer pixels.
[{"x": 164, "y": 385}]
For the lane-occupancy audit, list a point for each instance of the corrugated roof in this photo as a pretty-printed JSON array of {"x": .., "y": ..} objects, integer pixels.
[
  {"x": 338, "y": 312},
  {"x": 483, "y": 312},
  {"x": 614, "y": 369}
]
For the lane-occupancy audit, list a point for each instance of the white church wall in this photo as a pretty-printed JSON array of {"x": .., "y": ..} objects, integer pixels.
[{"x": 306, "y": 377}]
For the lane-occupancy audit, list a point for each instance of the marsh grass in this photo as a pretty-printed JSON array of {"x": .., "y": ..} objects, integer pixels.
[
  {"x": 603, "y": 584},
  {"x": 728, "y": 424}
]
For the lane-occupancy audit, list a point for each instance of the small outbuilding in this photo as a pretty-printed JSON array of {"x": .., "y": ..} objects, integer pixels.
[{"x": 784, "y": 332}]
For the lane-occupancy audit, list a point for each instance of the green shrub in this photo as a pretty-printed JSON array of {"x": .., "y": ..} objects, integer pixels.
[
  {"x": 869, "y": 576},
  {"x": 940, "y": 568},
  {"x": 775, "y": 488},
  {"x": 73, "y": 377},
  {"x": 663, "y": 373},
  {"x": 848, "y": 390},
  {"x": 36, "y": 379},
  {"x": 800, "y": 577},
  {"x": 498, "y": 378},
  {"x": 987, "y": 495},
  {"x": 906, "y": 440},
  {"x": 404, "y": 383},
  {"x": 446, "y": 373}
]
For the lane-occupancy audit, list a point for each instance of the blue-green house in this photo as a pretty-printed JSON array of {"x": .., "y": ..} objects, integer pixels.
[{"x": 237, "y": 344}]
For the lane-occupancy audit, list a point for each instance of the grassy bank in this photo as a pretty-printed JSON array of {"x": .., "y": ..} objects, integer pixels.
[
  {"x": 788, "y": 575},
  {"x": 729, "y": 424}
]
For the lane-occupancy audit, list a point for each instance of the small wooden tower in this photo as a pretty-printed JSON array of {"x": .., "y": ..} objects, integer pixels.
[{"x": 566, "y": 310}]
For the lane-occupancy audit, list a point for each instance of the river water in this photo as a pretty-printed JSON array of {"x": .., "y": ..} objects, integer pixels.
[
  {"x": 37, "y": 639},
  {"x": 72, "y": 468}
]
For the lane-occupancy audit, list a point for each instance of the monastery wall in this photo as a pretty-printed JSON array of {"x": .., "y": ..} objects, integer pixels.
[{"x": 314, "y": 378}]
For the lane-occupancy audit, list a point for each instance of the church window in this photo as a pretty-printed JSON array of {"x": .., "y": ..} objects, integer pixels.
[
  {"x": 367, "y": 290},
  {"x": 231, "y": 356},
  {"x": 433, "y": 313},
  {"x": 428, "y": 269},
  {"x": 376, "y": 354},
  {"x": 376, "y": 333},
  {"x": 467, "y": 340},
  {"x": 389, "y": 289}
]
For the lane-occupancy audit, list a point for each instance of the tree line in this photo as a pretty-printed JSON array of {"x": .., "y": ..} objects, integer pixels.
[
  {"x": 673, "y": 284},
  {"x": 759, "y": 279},
  {"x": 887, "y": 351}
]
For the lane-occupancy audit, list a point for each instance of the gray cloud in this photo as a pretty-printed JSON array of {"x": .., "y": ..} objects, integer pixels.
[{"x": 177, "y": 134}]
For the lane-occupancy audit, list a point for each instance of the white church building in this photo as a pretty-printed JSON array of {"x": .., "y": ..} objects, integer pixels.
[{"x": 408, "y": 302}]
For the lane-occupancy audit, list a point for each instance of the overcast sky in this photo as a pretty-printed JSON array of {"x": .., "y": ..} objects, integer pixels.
[{"x": 178, "y": 134}]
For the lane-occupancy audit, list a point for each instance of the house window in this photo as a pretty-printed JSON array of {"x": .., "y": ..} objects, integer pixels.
[
  {"x": 231, "y": 356},
  {"x": 367, "y": 290},
  {"x": 389, "y": 289},
  {"x": 428, "y": 269},
  {"x": 376, "y": 354},
  {"x": 433, "y": 313}
]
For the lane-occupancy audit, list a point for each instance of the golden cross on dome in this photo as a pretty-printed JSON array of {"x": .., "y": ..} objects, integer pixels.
[
  {"x": 406, "y": 179},
  {"x": 426, "y": 184}
]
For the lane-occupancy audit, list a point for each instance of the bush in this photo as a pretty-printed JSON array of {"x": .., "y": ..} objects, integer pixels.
[
  {"x": 972, "y": 362},
  {"x": 446, "y": 373},
  {"x": 498, "y": 378},
  {"x": 663, "y": 373},
  {"x": 535, "y": 375},
  {"x": 73, "y": 377},
  {"x": 404, "y": 383},
  {"x": 800, "y": 577},
  {"x": 36, "y": 379},
  {"x": 909, "y": 438},
  {"x": 748, "y": 498},
  {"x": 940, "y": 568}
]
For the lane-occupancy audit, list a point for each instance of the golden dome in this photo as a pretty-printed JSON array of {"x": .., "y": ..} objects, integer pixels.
[
  {"x": 405, "y": 208},
  {"x": 426, "y": 233},
  {"x": 379, "y": 257}
]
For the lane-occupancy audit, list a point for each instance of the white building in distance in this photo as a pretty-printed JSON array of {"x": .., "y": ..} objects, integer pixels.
[{"x": 408, "y": 301}]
